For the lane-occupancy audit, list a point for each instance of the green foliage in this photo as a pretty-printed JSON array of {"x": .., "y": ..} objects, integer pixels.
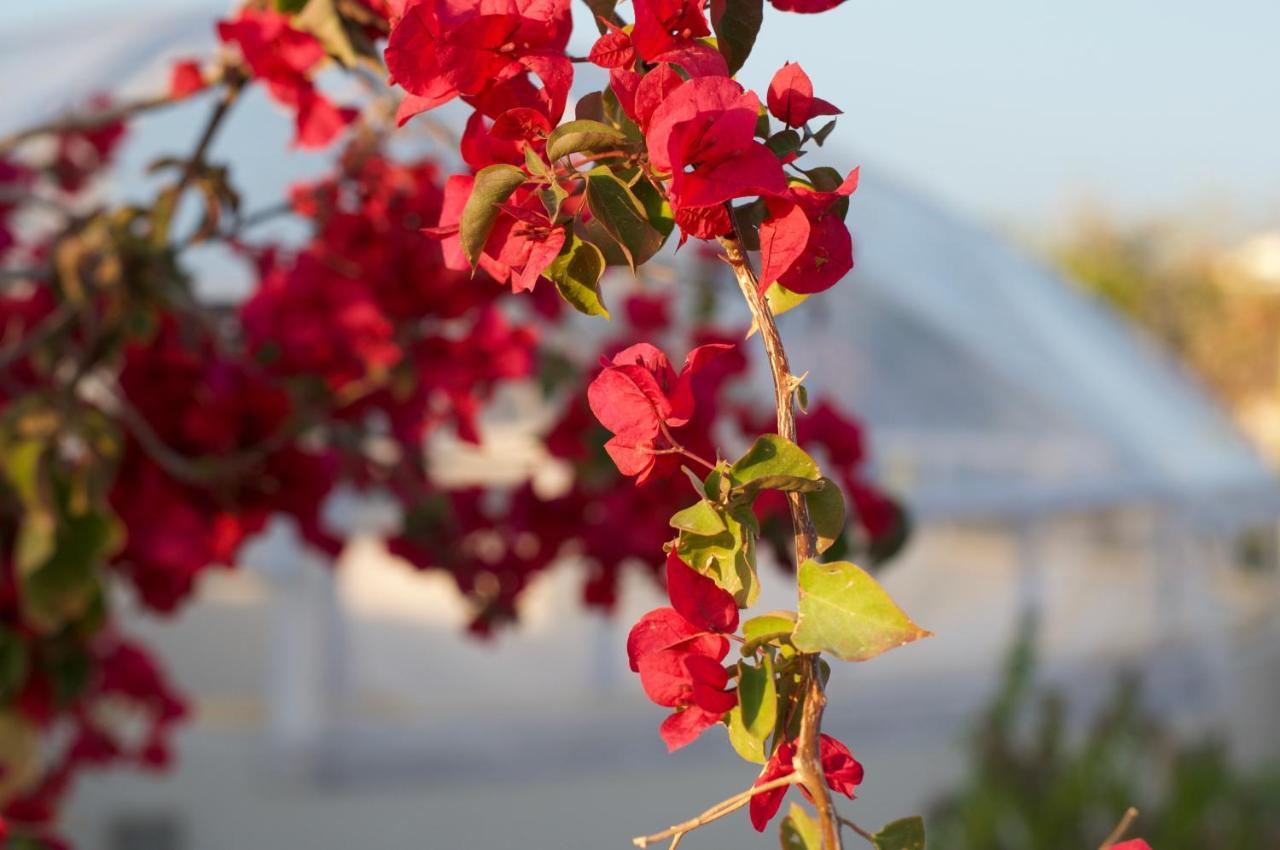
[
  {"x": 576, "y": 273},
  {"x": 752, "y": 720},
  {"x": 799, "y": 831},
  {"x": 845, "y": 612},
  {"x": 622, "y": 216},
  {"x": 736, "y": 24},
  {"x": 1032, "y": 786},
  {"x": 903, "y": 834},
  {"x": 583, "y": 137},
  {"x": 493, "y": 185}
]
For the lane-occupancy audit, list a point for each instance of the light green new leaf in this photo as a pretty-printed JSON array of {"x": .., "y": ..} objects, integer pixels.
[
  {"x": 727, "y": 558},
  {"x": 904, "y": 834},
  {"x": 583, "y": 136},
  {"x": 751, "y": 720},
  {"x": 622, "y": 215},
  {"x": 494, "y": 184},
  {"x": 576, "y": 273},
  {"x": 321, "y": 19},
  {"x": 765, "y": 628},
  {"x": 845, "y": 612},
  {"x": 799, "y": 831},
  {"x": 700, "y": 518}
]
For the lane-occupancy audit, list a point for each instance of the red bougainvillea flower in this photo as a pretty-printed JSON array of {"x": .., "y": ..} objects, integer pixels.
[
  {"x": 1132, "y": 844},
  {"x": 637, "y": 394},
  {"x": 482, "y": 51},
  {"x": 791, "y": 97},
  {"x": 678, "y": 652},
  {"x": 185, "y": 78},
  {"x": 663, "y": 25},
  {"x": 703, "y": 134},
  {"x": 521, "y": 245},
  {"x": 804, "y": 243},
  {"x": 841, "y": 770},
  {"x": 282, "y": 57},
  {"x": 805, "y": 7}
]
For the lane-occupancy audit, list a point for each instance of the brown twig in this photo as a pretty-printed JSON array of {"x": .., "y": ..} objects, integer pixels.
[
  {"x": 87, "y": 120},
  {"x": 1122, "y": 827},
  {"x": 846, "y": 822},
  {"x": 719, "y": 810},
  {"x": 808, "y": 759}
]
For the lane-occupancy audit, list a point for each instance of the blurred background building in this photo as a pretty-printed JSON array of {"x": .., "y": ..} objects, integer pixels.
[{"x": 1056, "y": 458}]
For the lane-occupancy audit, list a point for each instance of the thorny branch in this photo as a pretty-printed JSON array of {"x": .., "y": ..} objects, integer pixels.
[{"x": 808, "y": 761}]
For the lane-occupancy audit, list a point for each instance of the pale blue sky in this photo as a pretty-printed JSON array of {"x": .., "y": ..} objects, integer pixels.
[{"x": 1013, "y": 109}]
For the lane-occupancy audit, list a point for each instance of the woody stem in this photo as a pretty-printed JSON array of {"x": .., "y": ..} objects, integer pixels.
[{"x": 808, "y": 761}]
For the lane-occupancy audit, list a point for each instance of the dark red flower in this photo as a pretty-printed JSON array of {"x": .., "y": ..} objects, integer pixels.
[{"x": 841, "y": 770}]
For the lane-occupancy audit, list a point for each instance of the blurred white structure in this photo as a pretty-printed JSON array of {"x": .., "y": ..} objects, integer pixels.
[{"x": 1050, "y": 459}]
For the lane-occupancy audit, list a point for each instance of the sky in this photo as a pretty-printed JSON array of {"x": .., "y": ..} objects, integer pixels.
[{"x": 1014, "y": 111}]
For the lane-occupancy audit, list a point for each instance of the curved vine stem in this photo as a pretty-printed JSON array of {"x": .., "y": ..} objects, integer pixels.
[{"x": 808, "y": 760}]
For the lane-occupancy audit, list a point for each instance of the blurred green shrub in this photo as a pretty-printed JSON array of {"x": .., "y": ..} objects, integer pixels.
[{"x": 1034, "y": 783}]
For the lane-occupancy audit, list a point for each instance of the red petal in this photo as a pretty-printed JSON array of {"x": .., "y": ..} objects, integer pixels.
[
  {"x": 659, "y": 629},
  {"x": 842, "y": 771},
  {"x": 699, "y": 599},
  {"x": 665, "y": 678},
  {"x": 632, "y": 459},
  {"x": 682, "y": 392},
  {"x": 685, "y": 726},
  {"x": 790, "y": 95},
  {"x": 765, "y": 805},
  {"x": 629, "y": 402},
  {"x": 185, "y": 79},
  {"x": 751, "y": 170},
  {"x": 784, "y": 235}
]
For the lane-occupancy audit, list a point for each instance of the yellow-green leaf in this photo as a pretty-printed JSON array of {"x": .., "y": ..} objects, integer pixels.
[
  {"x": 583, "y": 136},
  {"x": 751, "y": 720},
  {"x": 845, "y": 612}
]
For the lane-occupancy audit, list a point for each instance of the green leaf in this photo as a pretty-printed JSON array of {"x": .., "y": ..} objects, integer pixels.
[
  {"x": 576, "y": 273},
  {"x": 13, "y": 664},
  {"x": 766, "y": 628},
  {"x": 700, "y": 518},
  {"x": 751, "y": 720},
  {"x": 534, "y": 164},
  {"x": 845, "y": 612},
  {"x": 64, "y": 586},
  {"x": 290, "y": 7},
  {"x": 656, "y": 207},
  {"x": 622, "y": 216},
  {"x": 826, "y": 509},
  {"x": 784, "y": 142},
  {"x": 776, "y": 459},
  {"x": 494, "y": 184},
  {"x": 22, "y": 462},
  {"x": 553, "y": 197},
  {"x": 825, "y": 130},
  {"x": 799, "y": 831},
  {"x": 583, "y": 136},
  {"x": 727, "y": 558},
  {"x": 904, "y": 834},
  {"x": 736, "y": 24}
]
